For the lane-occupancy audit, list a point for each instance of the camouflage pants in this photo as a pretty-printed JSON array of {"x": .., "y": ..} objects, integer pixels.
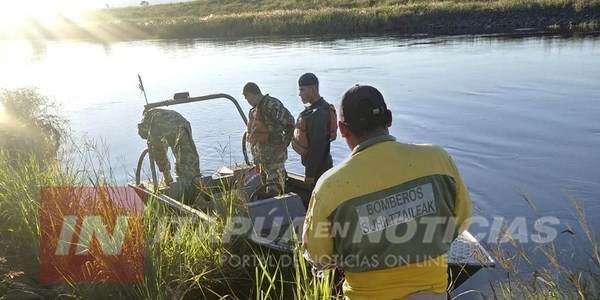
[
  {"x": 187, "y": 162},
  {"x": 273, "y": 172}
]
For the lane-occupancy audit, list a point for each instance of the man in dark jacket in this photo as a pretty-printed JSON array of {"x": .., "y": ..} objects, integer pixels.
[{"x": 317, "y": 159}]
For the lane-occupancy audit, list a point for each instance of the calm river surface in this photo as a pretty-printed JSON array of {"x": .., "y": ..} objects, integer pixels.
[{"x": 521, "y": 116}]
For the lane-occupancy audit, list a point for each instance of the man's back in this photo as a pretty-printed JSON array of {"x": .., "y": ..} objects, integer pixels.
[
  {"x": 376, "y": 198},
  {"x": 278, "y": 120},
  {"x": 274, "y": 124},
  {"x": 396, "y": 163},
  {"x": 164, "y": 123},
  {"x": 388, "y": 214},
  {"x": 163, "y": 128}
]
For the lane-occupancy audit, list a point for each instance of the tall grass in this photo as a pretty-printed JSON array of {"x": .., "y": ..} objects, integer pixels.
[
  {"x": 20, "y": 193},
  {"x": 31, "y": 131},
  {"x": 291, "y": 276},
  {"x": 184, "y": 257},
  {"x": 238, "y": 18},
  {"x": 30, "y": 124},
  {"x": 547, "y": 271},
  {"x": 219, "y": 7},
  {"x": 182, "y": 254}
]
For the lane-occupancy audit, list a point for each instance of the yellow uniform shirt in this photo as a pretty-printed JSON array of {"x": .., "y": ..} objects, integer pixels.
[{"x": 382, "y": 164}]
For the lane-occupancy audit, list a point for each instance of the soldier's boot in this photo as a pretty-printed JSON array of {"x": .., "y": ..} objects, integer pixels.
[{"x": 274, "y": 179}]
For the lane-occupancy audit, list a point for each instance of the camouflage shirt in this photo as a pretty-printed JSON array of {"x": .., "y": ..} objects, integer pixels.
[
  {"x": 162, "y": 123},
  {"x": 280, "y": 125},
  {"x": 164, "y": 128}
]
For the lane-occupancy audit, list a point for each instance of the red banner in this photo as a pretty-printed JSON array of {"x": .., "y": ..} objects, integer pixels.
[{"x": 91, "y": 234}]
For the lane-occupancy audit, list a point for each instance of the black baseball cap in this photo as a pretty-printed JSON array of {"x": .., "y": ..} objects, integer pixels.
[
  {"x": 308, "y": 79},
  {"x": 362, "y": 104}
]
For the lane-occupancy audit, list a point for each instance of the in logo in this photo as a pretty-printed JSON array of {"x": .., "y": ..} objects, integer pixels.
[{"x": 91, "y": 234}]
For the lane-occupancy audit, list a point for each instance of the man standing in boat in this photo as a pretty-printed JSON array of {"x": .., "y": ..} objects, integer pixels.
[
  {"x": 315, "y": 129},
  {"x": 270, "y": 130},
  {"x": 163, "y": 128},
  {"x": 397, "y": 208}
]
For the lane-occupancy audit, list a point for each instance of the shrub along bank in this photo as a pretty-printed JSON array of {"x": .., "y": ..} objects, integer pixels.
[{"x": 235, "y": 19}]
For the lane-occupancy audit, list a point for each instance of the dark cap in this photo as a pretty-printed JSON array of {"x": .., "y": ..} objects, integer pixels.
[
  {"x": 362, "y": 104},
  {"x": 308, "y": 79}
]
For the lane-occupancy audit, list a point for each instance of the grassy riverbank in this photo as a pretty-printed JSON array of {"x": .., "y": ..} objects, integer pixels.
[
  {"x": 238, "y": 18},
  {"x": 185, "y": 260}
]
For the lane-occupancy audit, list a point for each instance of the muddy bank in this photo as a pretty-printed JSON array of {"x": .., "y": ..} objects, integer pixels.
[{"x": 19, "y": 278}]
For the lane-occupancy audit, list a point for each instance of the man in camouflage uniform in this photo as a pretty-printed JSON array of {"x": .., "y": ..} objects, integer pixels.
[
  {"x": 270, "y": 131},
  {"x": 163, "y": 128}
]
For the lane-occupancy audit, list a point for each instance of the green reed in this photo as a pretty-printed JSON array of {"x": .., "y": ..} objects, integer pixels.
[{"x": 546, "y": 272}]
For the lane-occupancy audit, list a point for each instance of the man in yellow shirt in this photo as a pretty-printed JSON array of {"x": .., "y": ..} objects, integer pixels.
[{"x": 387, "y": 215}]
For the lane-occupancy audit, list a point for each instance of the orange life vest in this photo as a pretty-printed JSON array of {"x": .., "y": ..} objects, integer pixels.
[
  {"x": 300, "y": 139},
  {"x": 257, "y": 130}
]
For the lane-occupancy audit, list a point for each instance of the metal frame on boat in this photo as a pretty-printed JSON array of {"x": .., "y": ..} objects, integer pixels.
[{"x": 286, "y": 212}]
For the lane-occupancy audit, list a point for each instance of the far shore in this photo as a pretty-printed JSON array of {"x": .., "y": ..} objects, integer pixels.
[{"x": 231, "y": 19}]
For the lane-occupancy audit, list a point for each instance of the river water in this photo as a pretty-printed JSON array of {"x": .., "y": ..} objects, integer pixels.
[{"x": 519, "y": 114}]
